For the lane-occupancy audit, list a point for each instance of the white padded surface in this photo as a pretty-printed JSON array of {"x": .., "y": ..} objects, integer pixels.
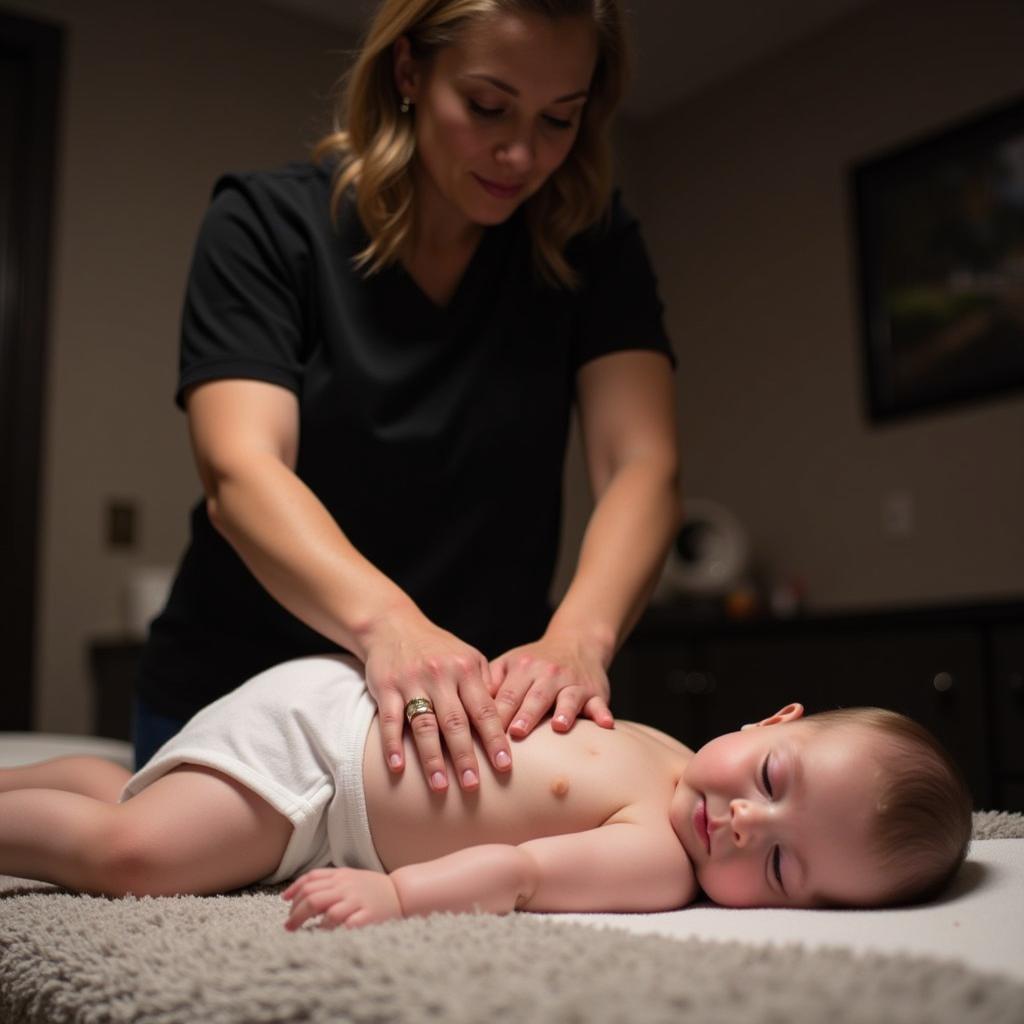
[
  {"x": 18, "y": 748},
  {"x": 980, "y": 922}
]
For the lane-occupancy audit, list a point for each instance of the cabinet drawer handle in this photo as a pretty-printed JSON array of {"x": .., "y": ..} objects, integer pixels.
[{"x": 943, "y": 682}]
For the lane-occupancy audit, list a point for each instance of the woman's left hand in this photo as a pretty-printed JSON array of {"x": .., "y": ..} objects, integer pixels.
[{"x": 561, "y": 671}]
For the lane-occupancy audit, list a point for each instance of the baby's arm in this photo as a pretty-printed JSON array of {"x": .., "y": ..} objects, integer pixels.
[
  {"x": 622, "y": 866},
  {"x": 617, "y": 867},
  {"x": 488, "y": 878}
]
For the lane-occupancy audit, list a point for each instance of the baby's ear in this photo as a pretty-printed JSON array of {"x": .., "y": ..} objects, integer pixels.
[{"x": 790, "y": 713}]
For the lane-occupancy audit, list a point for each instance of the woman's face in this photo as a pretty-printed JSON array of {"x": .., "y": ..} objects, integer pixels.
[{"x": 496, "y": 112}]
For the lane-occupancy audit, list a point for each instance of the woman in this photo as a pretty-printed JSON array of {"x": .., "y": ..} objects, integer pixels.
[{"x": 380, "y": 354}]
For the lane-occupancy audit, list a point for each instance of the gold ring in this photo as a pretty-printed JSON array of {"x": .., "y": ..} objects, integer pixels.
[{"x": 418, "y": 706}]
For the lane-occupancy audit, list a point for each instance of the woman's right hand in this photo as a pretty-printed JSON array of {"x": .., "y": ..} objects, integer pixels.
[
  {"x": 246, "y": 438},
  {"x": 407, "y": 656}
]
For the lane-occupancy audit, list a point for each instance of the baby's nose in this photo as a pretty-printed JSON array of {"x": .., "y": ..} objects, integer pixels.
[{"x": 746, "y": 821}]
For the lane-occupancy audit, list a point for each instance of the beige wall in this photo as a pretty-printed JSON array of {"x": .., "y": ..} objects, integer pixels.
[
  {"x": 743, "y": 196},
  {"x": 743, "y": 192},
  {"x": 158, "y": 99}
]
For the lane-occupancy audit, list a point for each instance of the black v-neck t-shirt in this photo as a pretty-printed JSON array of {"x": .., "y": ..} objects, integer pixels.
[{"x": 434, "y": 436}]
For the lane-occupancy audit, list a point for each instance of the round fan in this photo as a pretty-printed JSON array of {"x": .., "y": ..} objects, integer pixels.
[{"x": 709, "y": 555}]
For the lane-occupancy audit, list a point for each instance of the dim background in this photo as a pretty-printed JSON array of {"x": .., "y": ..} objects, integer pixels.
[{"x": 734, "y": 150}]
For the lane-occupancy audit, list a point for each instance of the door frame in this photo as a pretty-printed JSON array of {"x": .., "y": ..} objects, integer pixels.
[{"x": 35, "y": 52}]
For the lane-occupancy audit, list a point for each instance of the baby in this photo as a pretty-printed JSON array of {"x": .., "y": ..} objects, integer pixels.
[{"x": 284, "y": 777}]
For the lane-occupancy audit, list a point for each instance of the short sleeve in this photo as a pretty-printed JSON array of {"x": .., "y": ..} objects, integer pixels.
[
  {"x": 619, "y": 307},
  {"x": 242, "y": 315}
]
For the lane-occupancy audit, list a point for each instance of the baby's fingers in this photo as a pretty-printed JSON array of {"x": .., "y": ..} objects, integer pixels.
[
  {"x": 311, "y": 905},
  {"x": 317, "y": 874},
  {"x": 343, "y": 914}
]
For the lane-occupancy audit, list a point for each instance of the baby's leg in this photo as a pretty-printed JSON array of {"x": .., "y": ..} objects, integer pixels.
[
  {"x": 89, "y": 776},
  {"x": 192, "y": 831}
]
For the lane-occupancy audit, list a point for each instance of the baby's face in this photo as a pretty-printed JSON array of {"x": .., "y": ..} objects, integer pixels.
[{"x": 779, "y": 814}]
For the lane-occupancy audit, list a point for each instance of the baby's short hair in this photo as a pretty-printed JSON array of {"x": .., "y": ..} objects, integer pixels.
[{"x": 922, "y": 827}]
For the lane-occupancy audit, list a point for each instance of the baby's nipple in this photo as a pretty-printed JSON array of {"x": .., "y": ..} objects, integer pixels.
[{"x": 559, "y": 786}]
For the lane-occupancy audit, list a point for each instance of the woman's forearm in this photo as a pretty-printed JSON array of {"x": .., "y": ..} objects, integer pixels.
[
  {"x": 622, "y": 554},
  {"x": 299, "y": 554}
]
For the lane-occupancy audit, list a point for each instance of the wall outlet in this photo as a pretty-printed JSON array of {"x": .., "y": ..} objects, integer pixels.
[
  {"x": 122, "y": 521},
  {"x": 898, "y": 513}
]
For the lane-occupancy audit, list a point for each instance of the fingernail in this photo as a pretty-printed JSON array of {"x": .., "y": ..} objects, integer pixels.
[
  {"x": 519, "y": 723},
  {"x": 438, "y": 781},
  {"x": 395, "y": 761},
  {"x": 562, "y": 719},
  {"x": 469, "y": 777},
  {"x": 501, "y": 759}
]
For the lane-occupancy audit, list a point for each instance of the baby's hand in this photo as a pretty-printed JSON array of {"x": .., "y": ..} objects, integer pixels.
[{"x": 349, "y": 897}]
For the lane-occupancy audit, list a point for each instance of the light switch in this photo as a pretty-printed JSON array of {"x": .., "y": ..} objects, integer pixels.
[
  {"x": 898, "y": 513},
  {"x": 122, "y": 523}
]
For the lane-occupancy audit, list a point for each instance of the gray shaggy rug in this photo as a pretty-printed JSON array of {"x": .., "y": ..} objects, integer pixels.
[{"x": 226, "y": 960}]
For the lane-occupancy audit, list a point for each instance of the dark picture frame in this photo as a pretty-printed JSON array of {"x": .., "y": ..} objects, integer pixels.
[{"x": 939, "y": 227}]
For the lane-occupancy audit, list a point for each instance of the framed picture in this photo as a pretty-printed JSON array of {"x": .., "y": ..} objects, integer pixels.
[{"x": 940, "y": 235}]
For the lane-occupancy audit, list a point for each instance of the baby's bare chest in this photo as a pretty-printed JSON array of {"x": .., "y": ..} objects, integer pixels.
[{"x": 558, "y": 784}]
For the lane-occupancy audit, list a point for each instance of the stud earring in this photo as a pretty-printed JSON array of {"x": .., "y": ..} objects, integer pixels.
[{"x": 406, "y": 104}]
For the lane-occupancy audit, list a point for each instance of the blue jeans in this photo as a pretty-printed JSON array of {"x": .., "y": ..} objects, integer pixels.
[{"x": 151, "y": 730}]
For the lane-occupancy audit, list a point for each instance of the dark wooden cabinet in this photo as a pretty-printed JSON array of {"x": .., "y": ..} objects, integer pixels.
[
  {"x": 960, "y": 672},
  {"x": 1008, "y": 701},
  {"x": 114, "y": 663}
]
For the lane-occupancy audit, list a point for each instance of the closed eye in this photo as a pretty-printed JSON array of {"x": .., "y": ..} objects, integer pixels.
[
  {"x": 495, "y": 112},
  {"x": 764, "y": 776},
  {"x": 777, "y": 866},
  {"x": 485, "y": 111}
]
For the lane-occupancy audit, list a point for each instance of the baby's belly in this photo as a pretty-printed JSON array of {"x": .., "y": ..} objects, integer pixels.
[{"x": 559, "y": 783}]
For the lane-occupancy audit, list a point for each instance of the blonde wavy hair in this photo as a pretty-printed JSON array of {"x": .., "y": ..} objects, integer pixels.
[{"x": 372, "y": 143}]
